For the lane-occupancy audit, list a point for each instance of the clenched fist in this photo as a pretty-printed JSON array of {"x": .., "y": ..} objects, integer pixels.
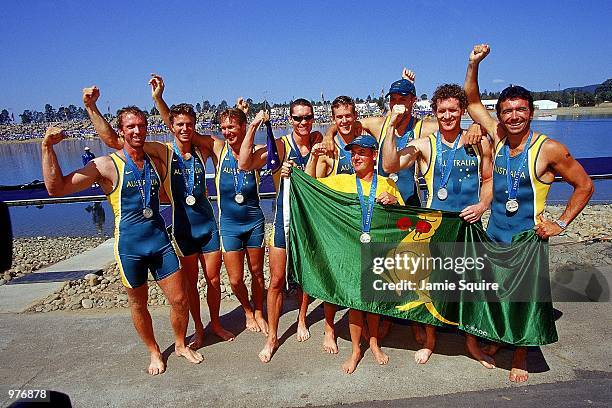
[
  {"x": 90, "y": 95},
  {"x": 479, "y": 53},
  {"x": 53, "y": 135}
]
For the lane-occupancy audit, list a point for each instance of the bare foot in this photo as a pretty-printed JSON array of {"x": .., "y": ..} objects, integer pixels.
[
  {"x": 191, "y": 355},
  {"x": 422, "y": 355},
  {"x": 303, "y": 333},
  {"x": 350, "y": 364},
  {"x": 251, "y": 323},
  {"x": 380, "y": 357},
  {"x": 265, "y": 355},
  {"x": 383, "y": 329},
  {"x": 196, "y": 341},
  {"x": 157, "y": 365},
  {"x": 261, "y": 322},
  {"x": 476, "y": 352},
  {"x": 329, "y": 343},
  {"x": 419, "y": 333},
  {"x": 225, "y": 335},
  {"x": 519, "y": 373}
]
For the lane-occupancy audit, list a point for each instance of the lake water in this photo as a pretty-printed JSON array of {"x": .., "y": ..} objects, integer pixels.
[{"x": 585, "y": 137}]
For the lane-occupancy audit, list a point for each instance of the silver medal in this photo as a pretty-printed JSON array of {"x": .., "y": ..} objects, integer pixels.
[
  {"x": 394, "y": 177},
  {"x": 190, "y": 200},
  {"x": 239, "y": 198},
  {"x": 443, "y": 193},
  {"x": 147, "y": 212},
  {"x": 365, "y": 238},
  {"x": 512, "y": 205}
]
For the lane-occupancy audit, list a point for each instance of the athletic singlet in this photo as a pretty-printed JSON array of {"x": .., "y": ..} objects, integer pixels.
[
  {"x": 405, "y": 178},
  {"x": 138, "y": 240},
  {"x": 290, "y": 152},
  {"x": 234, "y": 217},
  {"x": 193, "y": 225},
  {"x": 464, "y": 179},
  {"x": 342, "y": 165},
  {"x": 531, "y": 196}
]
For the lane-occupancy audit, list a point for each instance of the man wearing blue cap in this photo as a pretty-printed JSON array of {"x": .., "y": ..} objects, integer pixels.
[
  {"x": 363, "y": 150},
  {"x": 402, "y": 92}
]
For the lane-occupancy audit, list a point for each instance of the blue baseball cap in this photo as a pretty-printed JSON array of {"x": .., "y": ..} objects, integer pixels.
[
  {"x": 402, "y": 87},
  {"x": 366, "y": 141}
]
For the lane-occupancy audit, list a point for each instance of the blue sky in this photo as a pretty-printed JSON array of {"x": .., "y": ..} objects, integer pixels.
[{"x": 222, "y": 50}]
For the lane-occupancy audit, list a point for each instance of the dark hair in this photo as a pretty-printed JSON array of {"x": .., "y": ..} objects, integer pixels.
[
  {"x": 134, "y": 110},
  {"x": 182, "y": 109},
  {"x": 511, "y": 92},
  {"x": 300, "y": 102},
  {"x": 233, "y": 113},
  {"x": 449, "y": 91},
  {"x": 343, "y": 100}
]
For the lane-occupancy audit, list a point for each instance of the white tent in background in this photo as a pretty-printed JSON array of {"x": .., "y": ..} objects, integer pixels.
[
  {"x": 423, "y": 105},
  {"x": 545, "y": 104}
]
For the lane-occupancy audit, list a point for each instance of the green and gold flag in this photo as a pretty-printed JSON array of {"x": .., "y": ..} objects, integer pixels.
[{"x": 393, "y": 274}]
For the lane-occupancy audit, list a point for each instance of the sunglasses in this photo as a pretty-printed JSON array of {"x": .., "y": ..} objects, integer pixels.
[{"x": 301, "y": 118}]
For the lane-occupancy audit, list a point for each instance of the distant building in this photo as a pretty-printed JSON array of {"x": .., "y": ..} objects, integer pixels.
[
  {"x": 423, "y": 106},
  {"x": 545, "y": 104},
  {"x": 367, "y": 109},
  {"x": 489, "y": 103}
]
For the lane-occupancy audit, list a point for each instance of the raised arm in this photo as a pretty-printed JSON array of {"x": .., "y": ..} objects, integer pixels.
[
  {"x": 393, "y": 160},
  {"x": 56, "y": 183},
  {"x": 249, "y": 158},
  {"x": 157, "y": 90},
  {"x": 319, "y": 163},
  {"x": 372, "y": 125},
  {"x": 475, "y": 107},
  {"x": 561, "y": 162},
  {"x": 101, "y": 125}
]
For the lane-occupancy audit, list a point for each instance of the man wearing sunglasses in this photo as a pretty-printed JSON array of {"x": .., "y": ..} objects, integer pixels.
[{"x": 294, "y": 147}]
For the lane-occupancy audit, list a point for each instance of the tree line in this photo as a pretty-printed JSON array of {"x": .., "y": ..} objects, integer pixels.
[
  {"x": 569, "y": 96},
  {"x": 566, "y": 97}
]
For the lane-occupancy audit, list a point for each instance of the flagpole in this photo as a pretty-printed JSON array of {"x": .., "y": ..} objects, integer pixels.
[{"x": 286, "y": 221}]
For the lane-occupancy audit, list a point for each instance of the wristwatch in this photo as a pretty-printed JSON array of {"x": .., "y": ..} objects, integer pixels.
[{"x": 562, "y": 224}]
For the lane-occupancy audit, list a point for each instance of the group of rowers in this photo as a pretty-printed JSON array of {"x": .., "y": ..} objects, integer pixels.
[{"x": 500, "y": 163}]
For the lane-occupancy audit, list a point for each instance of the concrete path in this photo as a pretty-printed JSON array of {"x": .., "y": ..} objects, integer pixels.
[
  {"x": 19, "y": 297},
  {"x": 97, "y": 359}
]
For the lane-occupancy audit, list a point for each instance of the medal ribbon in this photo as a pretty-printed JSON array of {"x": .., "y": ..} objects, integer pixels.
[
  {"x": 513, "y": 182},
  {"x": 188, "y": 179},
  {"x": 300, "y": 160},
  {"x": 145, "y": 192},
  {"x": 366, "y": 211},
  {"x": 237, "y": 173},
  {"x": 444, "y": 175}
]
